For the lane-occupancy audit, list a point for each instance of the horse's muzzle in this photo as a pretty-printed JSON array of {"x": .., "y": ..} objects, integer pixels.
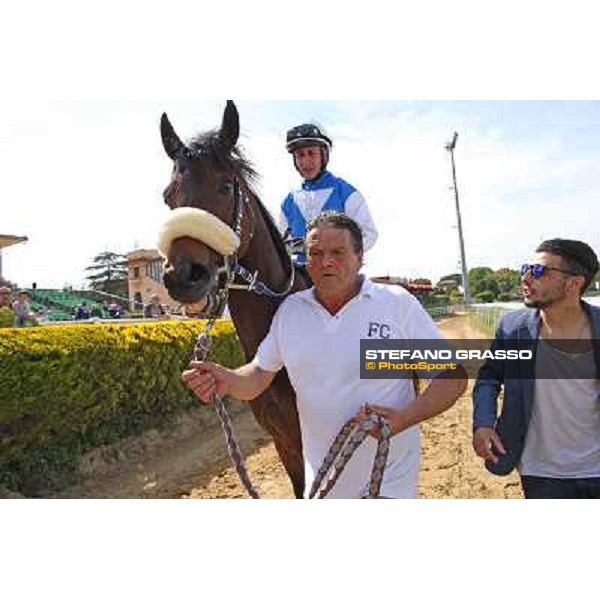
[{"x": 188, "y": 282}]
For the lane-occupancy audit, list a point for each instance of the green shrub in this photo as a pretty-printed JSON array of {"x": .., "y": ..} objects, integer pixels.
[
  {"x": 506, "y": 297},
  {"x": 66, "y": 389},
  {"x": 484, "y": 296},
  {"x": 440, "y": 299},
  {"x": 7, "y": 317},
  {"x": 456, "y": 297},
  {"x": 434, "y": 300}
]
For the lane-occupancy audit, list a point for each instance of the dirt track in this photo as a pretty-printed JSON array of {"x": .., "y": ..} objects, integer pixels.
[{"x": 191, "y": 461}]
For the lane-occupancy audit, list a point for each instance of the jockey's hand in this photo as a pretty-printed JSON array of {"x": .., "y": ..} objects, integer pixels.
[
  {"x": 487, "y": 443},
  {"x": 391, "y": 414},
  {"x": 206, "y": 379}
]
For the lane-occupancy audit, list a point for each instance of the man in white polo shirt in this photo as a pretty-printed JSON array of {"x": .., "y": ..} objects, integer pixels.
[{"x": 316, "y": 336}]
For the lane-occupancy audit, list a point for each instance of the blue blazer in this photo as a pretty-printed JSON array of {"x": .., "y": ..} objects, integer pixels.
[{"x": 518, "y": 379}]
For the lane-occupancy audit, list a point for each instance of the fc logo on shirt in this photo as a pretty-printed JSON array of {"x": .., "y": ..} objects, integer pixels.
[{"x": 379, "y": 330}]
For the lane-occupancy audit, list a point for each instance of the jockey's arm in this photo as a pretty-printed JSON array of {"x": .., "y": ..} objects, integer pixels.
[
  {"x": 282, "y": 223},
  {"x": 357, "y": 209}
]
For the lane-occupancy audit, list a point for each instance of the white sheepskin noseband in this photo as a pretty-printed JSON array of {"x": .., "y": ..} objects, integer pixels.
[{"x": 199, "y": 225}]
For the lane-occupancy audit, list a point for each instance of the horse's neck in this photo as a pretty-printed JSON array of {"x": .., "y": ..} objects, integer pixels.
[
  {"x": 252, "y": 314},
  {"x": 264, "y": 253}
]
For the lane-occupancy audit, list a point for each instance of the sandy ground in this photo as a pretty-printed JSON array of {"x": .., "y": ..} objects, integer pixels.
[{"x": 191, "y": 460}]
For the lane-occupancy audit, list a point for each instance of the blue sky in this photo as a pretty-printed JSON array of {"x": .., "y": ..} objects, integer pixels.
[{"x": 87, "y": 176}]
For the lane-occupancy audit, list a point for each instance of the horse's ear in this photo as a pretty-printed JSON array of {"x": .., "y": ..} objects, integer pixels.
[
  {"x": 171, "y": 142},
  {"x": 230, "y": 128}
]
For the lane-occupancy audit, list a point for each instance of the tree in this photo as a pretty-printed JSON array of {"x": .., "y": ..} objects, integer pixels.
[
  {"x": 481, "y": 279},
  {"x": 108, "y": 274},
  {"x": 456, "y": 297},
  {"x": 486, "y": 296},
  {"x": 509, "y": 282}
]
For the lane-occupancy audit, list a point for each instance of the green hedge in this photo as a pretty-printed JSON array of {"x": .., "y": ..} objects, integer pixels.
[
  {"x": 7, "y": 317},
  {"x": 67, "y": 389}
]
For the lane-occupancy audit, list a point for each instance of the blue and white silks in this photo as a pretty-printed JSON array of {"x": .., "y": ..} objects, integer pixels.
[{"x": 327, "y": 192}]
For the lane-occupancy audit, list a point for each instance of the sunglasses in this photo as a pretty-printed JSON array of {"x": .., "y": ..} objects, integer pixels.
[{"x": 538, "y": 270}]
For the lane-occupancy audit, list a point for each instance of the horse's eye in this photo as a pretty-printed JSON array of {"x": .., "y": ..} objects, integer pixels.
[{"x": 226, "y": 188}]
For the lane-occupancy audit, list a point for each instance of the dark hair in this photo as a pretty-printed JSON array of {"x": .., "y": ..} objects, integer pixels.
[
  {"x": 577, "y": 256},
  {"x": 330, "y": 218}
]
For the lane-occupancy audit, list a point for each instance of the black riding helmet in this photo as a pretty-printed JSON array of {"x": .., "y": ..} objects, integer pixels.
[{"x": 309, "y": 134}]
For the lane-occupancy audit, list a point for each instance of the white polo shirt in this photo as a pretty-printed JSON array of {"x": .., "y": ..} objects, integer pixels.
[{"x": 322, "y": 355}]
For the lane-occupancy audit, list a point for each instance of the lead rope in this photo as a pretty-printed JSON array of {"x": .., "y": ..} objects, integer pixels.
[
  {"x": 345, "y": 444},
  {"x": 201, "y": 350}
]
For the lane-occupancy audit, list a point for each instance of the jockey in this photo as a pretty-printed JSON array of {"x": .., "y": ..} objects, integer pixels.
[{"x": 321, "y": 191}]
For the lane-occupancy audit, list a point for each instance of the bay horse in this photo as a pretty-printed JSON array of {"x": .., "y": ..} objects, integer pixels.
[{"x": 210, "y": 173}]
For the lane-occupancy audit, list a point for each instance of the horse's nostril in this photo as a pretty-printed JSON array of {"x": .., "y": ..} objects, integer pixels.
[{"x": 197, "y": 273}]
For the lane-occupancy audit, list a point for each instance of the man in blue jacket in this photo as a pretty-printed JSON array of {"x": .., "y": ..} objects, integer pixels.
[
  {"x": 549, "y": 424},
  {"x": 320, "y": 191}
]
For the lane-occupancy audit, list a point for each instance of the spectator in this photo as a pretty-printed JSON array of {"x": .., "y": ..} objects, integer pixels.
[
  {"x": 154, "y": 310},
  {"x": 5, "y": 300},
  {"x": 96, "y": 311},
  {"x": 7, "y": 316},
  {"x": 22, "y": 310},
  {"x": 114, "y": 310},
  {"x": 548, "y": 428},
  {"x": 82, "y": 312}
]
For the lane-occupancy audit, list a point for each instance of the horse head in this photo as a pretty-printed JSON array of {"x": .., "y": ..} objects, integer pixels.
[{"x": 208, "y": 192}]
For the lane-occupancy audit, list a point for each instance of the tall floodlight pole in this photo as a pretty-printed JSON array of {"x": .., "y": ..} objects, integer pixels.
[{"x": 463, "y": 261}]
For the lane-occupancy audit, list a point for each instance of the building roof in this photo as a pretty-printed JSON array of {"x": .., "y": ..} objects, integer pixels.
[
  {"x": 10, "y": 240},
  {"x": 411, "y": 285},
  {"x": 143, "y": 254}
]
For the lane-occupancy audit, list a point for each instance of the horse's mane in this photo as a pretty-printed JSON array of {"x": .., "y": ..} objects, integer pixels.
[
  {"x": 274, "y": 231},
  {"x": 209, "y": 145}
]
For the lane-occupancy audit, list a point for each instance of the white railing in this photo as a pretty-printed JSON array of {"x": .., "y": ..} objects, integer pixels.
[{"x": 443, "y": 311}]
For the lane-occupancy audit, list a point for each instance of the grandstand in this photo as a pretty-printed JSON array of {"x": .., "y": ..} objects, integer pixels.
[{"x": 61, "y": 304}]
